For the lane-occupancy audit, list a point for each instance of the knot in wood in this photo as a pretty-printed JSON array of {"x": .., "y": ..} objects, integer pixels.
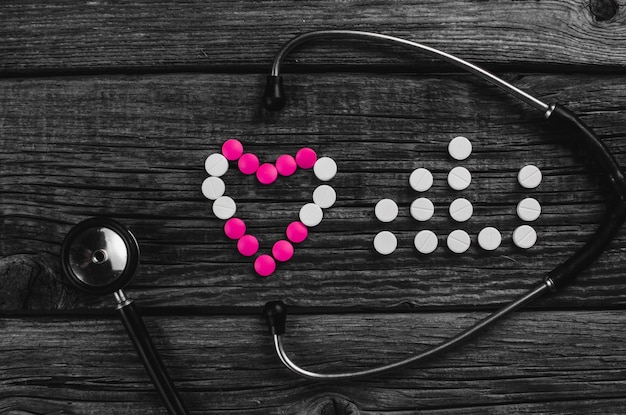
[
  {"x": 603, "y": 10},
  {"x": 333, "y": 405}
]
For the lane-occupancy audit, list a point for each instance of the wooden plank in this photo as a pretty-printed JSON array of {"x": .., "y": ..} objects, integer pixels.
[
  {"x": 133, "y": 147},
  {"x": 63, "y": 36},
  {"x": 533, "y": 363}
]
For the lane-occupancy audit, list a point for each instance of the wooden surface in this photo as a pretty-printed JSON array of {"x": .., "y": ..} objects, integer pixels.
[{"x": 111, "y": 109}]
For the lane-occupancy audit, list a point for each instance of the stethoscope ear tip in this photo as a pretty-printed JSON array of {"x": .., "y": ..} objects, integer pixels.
[
  {"x": 274, "y": 95},
  {"x": 275, "y": 313}
]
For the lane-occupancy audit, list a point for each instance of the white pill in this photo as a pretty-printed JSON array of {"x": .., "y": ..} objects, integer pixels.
[
  {"x": 325, "y": 168},
  {"x": 460, "y": 148},
  {"x": 386, "y": 210},
  {"x": 489, "y": 238},
  {"x": 216, "y": 165},
  {"x": 311, "y": 214},
  {"x": 421, "y": 180},
  {"x": 524, "y": 236},
  {"x": 458, "y": 241},
  {"x": 422, "y": 209},
  {"x": 224, "y": 207},
  {"x": 385, "y": 242},
  {"x": 425, "y": 241},
  {"x": 213, "y": 187},
  {"x": 459, "y": 178},
  {"x": 528, "y": 209},
  {"x": 324, "y": 196},
  {"x": 461, "y": 209},
  {"x": 529, "y": 176}
]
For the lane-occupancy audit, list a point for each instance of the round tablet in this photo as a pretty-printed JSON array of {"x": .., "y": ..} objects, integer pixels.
[
  {"x": 459, "y": 178},
  {"x": 524, "y": 236},
  {"x": 529, "y": 176},
  {"x": 282, "y": 251},
  {"x": 248, "y": 245},
  {"x": 216, "y": 165},
  {"x": 224, "y": 207},
  {"x": 306, "y": 158},
  {"x": 232, "y": 149},
  {"x": 234, "y": 228},
  {"x": 311, "y": 214},
  {"x": 425, "y": 241},
  {"x": 528, "y": 209},
  {"x": 324, "y": 196},
  {"x": 213, "y": 188},
  {"x": 286, "y": 165},
  {"x": 264, "y": 265},
  {"x": 460, "y": 148},
  {"x": 385, "y": 242},
  {"x": 267, "y": 173},
  {"x": 421, "y": 180},
  {"x": 458, "y": 241},
  {"x": 296, "y": 232},
  {"x": 422, "y": 209},
  {"x": 325, "y": 168},
  {"x": 489, "y": 238},
  {"x": 248, "y": 163},
  {"x": 386, "y": 210},
  {"x": 461, "y": 209}
]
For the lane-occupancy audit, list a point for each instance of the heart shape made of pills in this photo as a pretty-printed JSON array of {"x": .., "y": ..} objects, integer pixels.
[{"x": 224, "y": 207}]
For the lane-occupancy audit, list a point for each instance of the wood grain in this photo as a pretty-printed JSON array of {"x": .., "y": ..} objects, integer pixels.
[
  {"x": 94, "y": 36},
  {"x": 534, "y": 363}
]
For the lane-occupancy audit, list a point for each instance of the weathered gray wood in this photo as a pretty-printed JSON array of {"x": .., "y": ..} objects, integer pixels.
[
  {"x": 134, "y": 148},
  {"x": 533, "y": 363},
  {"x": 62, "y": 36}
]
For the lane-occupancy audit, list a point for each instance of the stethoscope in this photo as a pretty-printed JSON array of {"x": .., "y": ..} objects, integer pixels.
[{"x": 101, "y": 256}]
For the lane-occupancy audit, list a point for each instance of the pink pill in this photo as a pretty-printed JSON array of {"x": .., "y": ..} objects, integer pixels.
[
  {"x": 267, "y": 173},
  {"x": 286, "y": 165},
  {"x": 297, "y": 232},
  {"x": 232, "y": 149},
  {"x": 282, "y": 251},
  {"x": 306, "y": 158},
  {"x": 248, "y": 163},
  {"x": 234, "y": 228},
  {"x": 264, "y": 265},
  {"x": 247, "y": 245}
]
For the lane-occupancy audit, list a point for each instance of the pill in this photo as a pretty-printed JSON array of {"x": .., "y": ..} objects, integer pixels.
[
  {"x": 524, "y": 236},
  {"x": 234, "y": 228},
  {"x": 459, "y": 178},
  {"x": 425, "y": 241},
  {"x": 311, "y": 214},
  {"x": 306, "y": 158},
  {"x": 528, "y": 209},
  {"x": 489, "y": 238},
  {"x": 458, "y": 241},
  {"x": 213, "y": 188},
  {"x": 264, "y": 265},
  {"x": 461, "y": 209},
  {"x": 248, "y": 245},
  {"x": 248, "y": 163},
  {"x": 385, "y": 242},
  {"x": 282, "y": 251},
  {"x": 286, "y": 165},
  {"x": 422, "y": 209},
  {"x": 224, "y": 207},
  {"x": 386, "y": 210},
  {"x": 421, "y": 180},
  {"x": 297, "y": 232},
  {"x": 325, "y": 168},
  {"x": 529, "y": 176},
  {"x": 324, "y": 196},
  {"x": 232, "y": 149},
  {"x": 460, "y": 148},
  {"x": 216, "y": 165},
  {"x": 267, "y": 173}
]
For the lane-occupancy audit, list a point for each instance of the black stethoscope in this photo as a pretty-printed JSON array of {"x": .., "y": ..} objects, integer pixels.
[{"x": 101, "y": 256}]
